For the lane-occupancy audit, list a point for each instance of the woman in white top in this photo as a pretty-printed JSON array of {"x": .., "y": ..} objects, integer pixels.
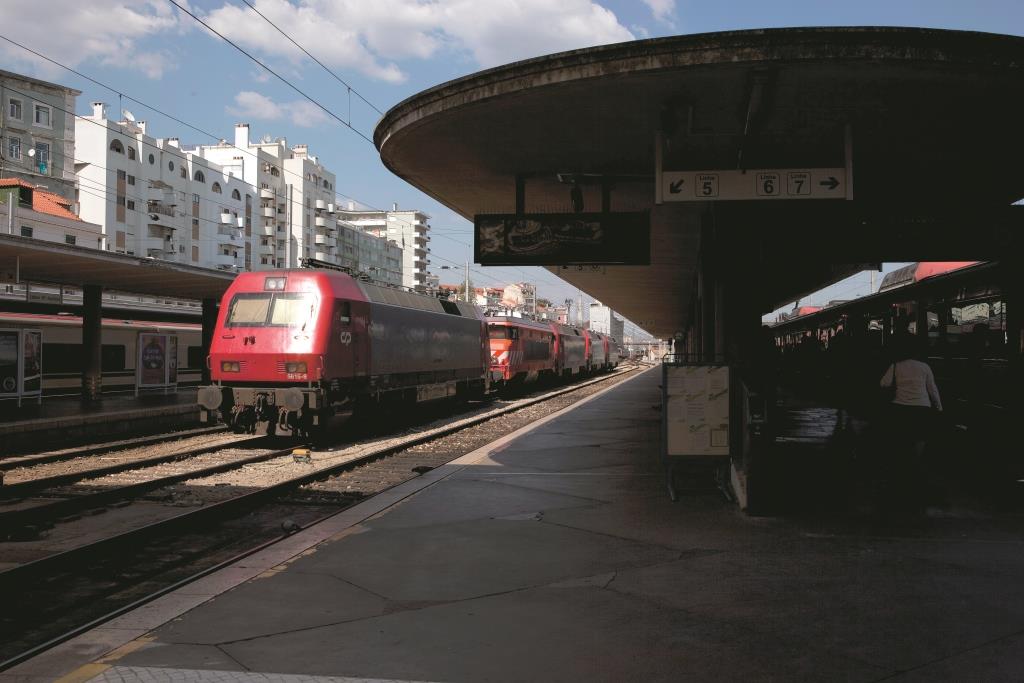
[{"x": 916, "y": 398}]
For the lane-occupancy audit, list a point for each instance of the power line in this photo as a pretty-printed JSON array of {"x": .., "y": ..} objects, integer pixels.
[
  {"x": 325, "y": 68},
  {"x": 272, "y": 72}
]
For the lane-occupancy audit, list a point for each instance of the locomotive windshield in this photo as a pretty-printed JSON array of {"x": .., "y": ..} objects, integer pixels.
[
  {"x": 292, "y": 309},
  {"x": 502, "y": 332}
]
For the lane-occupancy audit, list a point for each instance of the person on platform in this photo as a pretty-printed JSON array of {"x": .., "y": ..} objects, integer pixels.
[{"x": 910, "y": 420}]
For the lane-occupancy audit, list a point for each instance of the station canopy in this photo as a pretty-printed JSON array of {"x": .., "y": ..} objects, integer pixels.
[
  {"x": 34, "y": 260},
  {"x": 919, "y": 120}
]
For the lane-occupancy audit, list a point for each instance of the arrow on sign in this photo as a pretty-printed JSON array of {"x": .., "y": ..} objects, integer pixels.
[
  {"x": 831, "y": 183},
  {"x": 676, "y": 187}
]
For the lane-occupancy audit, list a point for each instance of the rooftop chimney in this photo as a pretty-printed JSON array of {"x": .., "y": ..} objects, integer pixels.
[
  {"x": 351, "y": 206},
  {"x": 99, "y": 110},
  {"x": 174, "y": 142},
  {"x": 141, "y": 126},
  {"x": 394, "y": 206},
  {"x": 242, "y": 135}
]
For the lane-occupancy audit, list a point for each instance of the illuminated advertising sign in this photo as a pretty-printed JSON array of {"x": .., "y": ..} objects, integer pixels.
[{"x": 554, "y": 239}]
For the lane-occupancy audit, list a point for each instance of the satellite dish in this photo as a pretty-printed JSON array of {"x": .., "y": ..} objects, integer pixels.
[
  {"x": 128, "y": 116},
  {"x": 266, "y": 139}
]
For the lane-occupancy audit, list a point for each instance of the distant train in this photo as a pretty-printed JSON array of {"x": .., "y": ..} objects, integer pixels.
[
  {"x": 62, "y": 350},
  {"x": 524, "y": 350}
]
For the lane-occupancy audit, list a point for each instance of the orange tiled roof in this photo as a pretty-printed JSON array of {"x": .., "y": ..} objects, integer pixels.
[{"x": 44, "y": 201}]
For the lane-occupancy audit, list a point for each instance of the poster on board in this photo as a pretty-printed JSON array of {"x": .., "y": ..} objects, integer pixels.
[
  {"x": 10, "y": 352},
  {"x": 697, "y": 410},
  {"x": 32, "y": 367}
]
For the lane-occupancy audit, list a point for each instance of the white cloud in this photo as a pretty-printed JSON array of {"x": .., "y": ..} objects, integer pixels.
[
  {"x": 251, "y": 105},
  {"x": 374, "y": 37},
  {"x": 663, "y": 10},
  {"x": 73, "y": 32}
]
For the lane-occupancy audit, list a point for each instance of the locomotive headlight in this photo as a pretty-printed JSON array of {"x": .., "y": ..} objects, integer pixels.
[
  {"x": 230, "y": 366},
  {"x": 299, "y": 367}
]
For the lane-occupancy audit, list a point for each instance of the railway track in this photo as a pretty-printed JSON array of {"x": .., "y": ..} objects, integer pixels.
[{"x": 56, "y": 597}]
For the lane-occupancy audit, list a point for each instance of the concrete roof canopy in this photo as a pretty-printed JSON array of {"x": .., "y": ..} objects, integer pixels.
[{"x": 923, "y": 117}]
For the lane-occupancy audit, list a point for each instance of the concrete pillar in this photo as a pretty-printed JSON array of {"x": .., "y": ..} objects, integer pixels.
[
  {"x": 209, "y": 322},
  {"x": 92, "y": 342}
]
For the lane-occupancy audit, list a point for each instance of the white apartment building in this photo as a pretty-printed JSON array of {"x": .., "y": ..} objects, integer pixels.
[
  {"x": 154, "y": 198},
  {"x": 603, "y": 320},
  {"x": 295, "y": 216},
  {"x": 233, "y": 206},
  {"x": 407, "y": 228}
]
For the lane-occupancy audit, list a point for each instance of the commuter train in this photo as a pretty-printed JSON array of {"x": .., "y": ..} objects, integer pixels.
[
  {"x": 956, "y": 311},
  {"x": 62, "y": 350},
  {"x": 292, "y": 348}
]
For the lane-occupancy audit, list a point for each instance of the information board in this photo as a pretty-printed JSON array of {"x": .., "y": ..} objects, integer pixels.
[
  {"x": 555, "y": 239},
  {"x": 697, "y": 410}
]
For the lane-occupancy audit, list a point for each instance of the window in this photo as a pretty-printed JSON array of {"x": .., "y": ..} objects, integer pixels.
[
  {"x": 235, "y": 194},
  {"x": 131, "y": 204},
  {"x": 260, "y": 310},
  {"x": 131, "y": 180},
  {"x": 117, "y": 147},
  {"x": 195, "y": 199},
  {"x": 120, "y": 200},
  {"x": 14, "y": 109},
  {"x": 42, "y": 154},
  {"x": 216, "y": 188},
  {"x": 131, "y": 153},
  {"x": 199, "y": 177},
  {"x": 152, "y": 159},
  {"x": 42, "y": 116},
  {"x": 26, "y": 231},
  {"x": 69, "y": 239},
  {"x": 170, "y": 165},
  {"x": 121, "y": 175},
  {"x": 274, "y": 172},
  {"x": 183, "y": 172},
  {"x": 13, "y": 148}
]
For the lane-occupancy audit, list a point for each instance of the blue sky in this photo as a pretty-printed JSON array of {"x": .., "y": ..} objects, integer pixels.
[{"x": 386, "y": 50}]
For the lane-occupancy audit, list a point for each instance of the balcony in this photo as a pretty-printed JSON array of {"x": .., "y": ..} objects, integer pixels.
[
  {"x": 321, "y": 204},
  {"x": 228, "y": 218},
  {"x": 160, "y": 194},
  {"x": 421, "y": 239},
  {"x": 266, "y": 249},
  {"x": 229, "y": 236},
  {"x": 268, "y": 212},
  {"x": 269, "y": 229},
  {"x": 324, "y": 222},
  {"x": 226, "y": 260},
  {"x": 324, "y": 240},
  {"x": 162, "y": 254},
  {"x": 158, "y": 208},
  {"x": 266, "y": 193}
]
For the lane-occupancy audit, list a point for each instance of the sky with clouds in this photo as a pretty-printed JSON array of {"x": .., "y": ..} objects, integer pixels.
[{"x": 385, "y": 51}]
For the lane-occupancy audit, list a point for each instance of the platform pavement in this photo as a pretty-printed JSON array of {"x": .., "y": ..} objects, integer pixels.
[
  {"x": 559, "y": 557},
  {"x": 65, "y": 419}
]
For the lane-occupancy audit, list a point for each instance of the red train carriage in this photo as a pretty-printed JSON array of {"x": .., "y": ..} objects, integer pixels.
[
  {"x": 570, "y": 350},
  {"x": 522, "y": 350},
  {"x": 293, "y": 347},
  {"x": 600, "y": 353}
]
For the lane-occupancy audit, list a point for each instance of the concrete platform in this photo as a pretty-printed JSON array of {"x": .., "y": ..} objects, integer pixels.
[
  {"x": 557, "y": 556},
  {"x": 59, "y": 421}
]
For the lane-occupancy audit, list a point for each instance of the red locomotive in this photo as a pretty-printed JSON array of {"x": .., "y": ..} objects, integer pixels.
[
  {"x": 522, "y": 350},
  {"x": 294, "y": 347}
]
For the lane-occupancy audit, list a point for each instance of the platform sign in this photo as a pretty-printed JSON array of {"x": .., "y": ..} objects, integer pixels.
[
  {"x": 556, "y": 239},
  {"x": 763, "y": 184},
  {"x": 155, "y": 367},
  {"x": 696, "y": 410},
  {"x": 21, "y": 364}
]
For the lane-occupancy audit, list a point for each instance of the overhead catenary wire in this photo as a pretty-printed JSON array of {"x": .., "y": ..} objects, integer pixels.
[
  {"x": 322, "y": 65},
  {"x": 272, "y": 72}
]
